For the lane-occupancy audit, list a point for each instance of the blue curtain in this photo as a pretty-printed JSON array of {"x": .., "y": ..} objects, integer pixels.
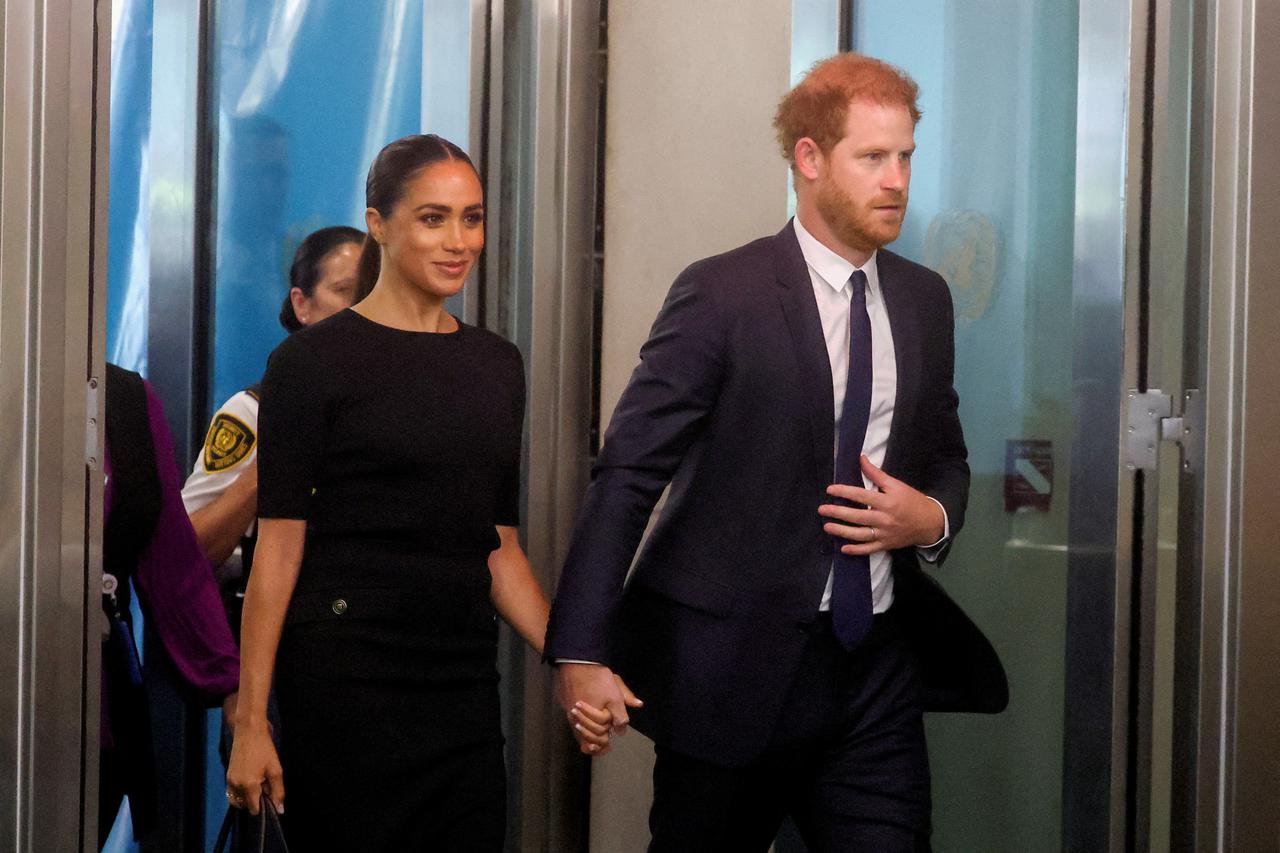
[
  {"x": 128, "y": 210},
  {"x": 307, "y": 93}
]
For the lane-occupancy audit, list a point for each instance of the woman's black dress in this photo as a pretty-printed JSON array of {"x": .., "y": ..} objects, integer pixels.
[{"x": 401, "y": 450}]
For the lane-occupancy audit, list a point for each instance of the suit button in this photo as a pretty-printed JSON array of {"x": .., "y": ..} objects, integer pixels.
[{"x": 339, "y": 606}]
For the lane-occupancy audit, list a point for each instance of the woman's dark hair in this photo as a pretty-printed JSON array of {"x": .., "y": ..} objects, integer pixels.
[
  {"x": 394, "y": 167},
  {"x": 304, "y": 273}
]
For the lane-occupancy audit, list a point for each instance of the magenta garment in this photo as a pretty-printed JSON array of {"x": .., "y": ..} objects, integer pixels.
[{"x": 176, "y": 586}]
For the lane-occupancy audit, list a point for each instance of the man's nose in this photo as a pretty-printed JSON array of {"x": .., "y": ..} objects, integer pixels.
[{"x": 896, "y": 176}]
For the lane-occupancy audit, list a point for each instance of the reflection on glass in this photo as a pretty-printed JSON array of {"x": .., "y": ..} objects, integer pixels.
[
  {"x": 306, "y": 94},
  {"x": 992, "y": 209},
  {"x": 128, "y": 211}
]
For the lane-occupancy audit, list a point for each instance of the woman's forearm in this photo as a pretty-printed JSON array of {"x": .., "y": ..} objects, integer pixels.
[
  {"x": 515, "y": 592},
  {"x": 275, "y": 573}
]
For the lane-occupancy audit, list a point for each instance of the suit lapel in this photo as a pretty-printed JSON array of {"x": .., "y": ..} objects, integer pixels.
[
  {"x": 795, "y": 293},
  {"x": 899, "y": 305}
]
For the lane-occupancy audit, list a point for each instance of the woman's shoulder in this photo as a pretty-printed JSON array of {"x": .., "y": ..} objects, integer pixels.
[
  {"x": 331, "y": 334},
  {"x": 494, "y": 347}
]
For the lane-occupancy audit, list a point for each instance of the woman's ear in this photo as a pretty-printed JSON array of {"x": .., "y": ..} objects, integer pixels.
[
  {"x": 299, "y": 301},
  {"x": 373, "y": 224}
]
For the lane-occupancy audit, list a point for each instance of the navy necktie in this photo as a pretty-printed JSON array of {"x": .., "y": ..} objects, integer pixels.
[{"x": 851, "y": 584}]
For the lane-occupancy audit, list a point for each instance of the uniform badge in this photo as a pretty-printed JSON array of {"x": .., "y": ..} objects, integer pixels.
[{"x": 228, "y": 443}]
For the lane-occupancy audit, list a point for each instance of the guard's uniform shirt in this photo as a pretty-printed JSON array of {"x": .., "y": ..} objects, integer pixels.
[{"x": 229, "y": 446}]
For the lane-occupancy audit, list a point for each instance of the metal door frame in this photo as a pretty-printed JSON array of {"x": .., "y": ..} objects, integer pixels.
[{"x": 53, "y": 142}]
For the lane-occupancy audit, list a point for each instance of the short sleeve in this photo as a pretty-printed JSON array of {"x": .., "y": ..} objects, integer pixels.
[
  {"x": 230, "y": 445},
  {"x": 507, "y": 510},
  {"x": 291, "y": 429}
]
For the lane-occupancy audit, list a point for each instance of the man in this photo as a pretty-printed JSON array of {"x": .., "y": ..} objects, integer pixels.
[{"x": 796, "y": 393}]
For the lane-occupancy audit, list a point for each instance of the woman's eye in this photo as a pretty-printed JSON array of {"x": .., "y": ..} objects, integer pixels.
[
  {"x": 433, "y": 219},
  {"x": 474, "y": 218}
]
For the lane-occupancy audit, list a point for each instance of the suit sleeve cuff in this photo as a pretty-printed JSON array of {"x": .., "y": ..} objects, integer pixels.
[{"x": 931, "y": 553}]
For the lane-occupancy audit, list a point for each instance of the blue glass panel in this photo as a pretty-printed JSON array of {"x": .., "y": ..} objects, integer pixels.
[
  {"x": 128, "y": 249},
  {"x": 815, "y": 35},
  {"x": 992, "y": 209},
  {"x": 307, "y": 93}
]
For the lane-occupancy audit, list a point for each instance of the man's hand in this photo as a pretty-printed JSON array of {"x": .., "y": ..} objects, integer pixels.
[
  {"x": 595, "y": 703},
  {"x": 896, "y": 515}
]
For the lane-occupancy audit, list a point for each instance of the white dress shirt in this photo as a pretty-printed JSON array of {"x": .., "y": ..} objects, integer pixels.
[{"x": 830, "y": 274}]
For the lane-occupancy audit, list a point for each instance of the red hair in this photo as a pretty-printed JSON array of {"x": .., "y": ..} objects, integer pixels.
[{"x": 819, "y": 104}]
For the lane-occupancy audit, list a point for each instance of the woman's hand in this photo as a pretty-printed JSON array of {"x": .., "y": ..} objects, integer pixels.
[
  {"x": 591, "y": 727},
  {"x": 229, "y": 711},
  {"x": 254, "y": 769}
]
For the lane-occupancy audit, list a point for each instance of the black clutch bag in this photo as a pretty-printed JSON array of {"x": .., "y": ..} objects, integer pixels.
[{"x": 260, "y": 835}]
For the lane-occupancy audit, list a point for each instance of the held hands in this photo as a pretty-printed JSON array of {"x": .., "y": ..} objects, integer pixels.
[
  {"x": 254, "y": 769},
  {"x": 896, "y": 515},
  {"x": 595, "y": 703}
]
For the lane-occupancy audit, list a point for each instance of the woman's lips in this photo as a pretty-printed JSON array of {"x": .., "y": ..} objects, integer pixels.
[{"x": 451, "y": 267}]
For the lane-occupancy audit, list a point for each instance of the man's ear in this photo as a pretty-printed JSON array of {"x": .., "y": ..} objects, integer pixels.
[{"x": 809, "y": 158}]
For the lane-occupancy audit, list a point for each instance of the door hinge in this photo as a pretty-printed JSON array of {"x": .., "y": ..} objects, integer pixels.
[
  {"x": 91, "y": 448},
  {"x": 1152, "y": 420}
]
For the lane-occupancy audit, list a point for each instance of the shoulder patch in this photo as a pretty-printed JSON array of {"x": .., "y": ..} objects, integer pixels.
[{"x": 228, "y": 443}]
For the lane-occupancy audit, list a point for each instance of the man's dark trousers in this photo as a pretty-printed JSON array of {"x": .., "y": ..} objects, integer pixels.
[{"x": 847, "y": 762}]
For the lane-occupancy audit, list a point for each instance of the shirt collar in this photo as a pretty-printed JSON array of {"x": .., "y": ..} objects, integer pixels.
[{"x": 827, "y": 265}]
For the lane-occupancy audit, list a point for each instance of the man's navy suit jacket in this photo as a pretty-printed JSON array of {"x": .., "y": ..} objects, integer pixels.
[{"x": 732, "y": 406}]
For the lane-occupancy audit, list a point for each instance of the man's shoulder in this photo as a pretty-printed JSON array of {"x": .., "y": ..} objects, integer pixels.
[
  {"x": 896, "y": 266},
  {"x": 756, "y": 256}
]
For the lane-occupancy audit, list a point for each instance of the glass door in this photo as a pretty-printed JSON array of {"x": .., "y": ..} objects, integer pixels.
[{"x": 1027, "y": 197}]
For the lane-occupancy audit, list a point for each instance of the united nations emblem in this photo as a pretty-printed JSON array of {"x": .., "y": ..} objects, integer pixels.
[
  {"x": 228, "y": 443},
  {"x": 962, "y": 247}
]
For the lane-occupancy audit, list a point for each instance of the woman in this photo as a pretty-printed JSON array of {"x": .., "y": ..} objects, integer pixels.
[
  {"x": 221, "y": 493},
  {"x": 388, "y": 504}
]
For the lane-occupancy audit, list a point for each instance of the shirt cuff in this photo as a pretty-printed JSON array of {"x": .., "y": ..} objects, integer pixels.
[
  {"x": 930, "y": 553},
  {"x": 559, "y": 661}
]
